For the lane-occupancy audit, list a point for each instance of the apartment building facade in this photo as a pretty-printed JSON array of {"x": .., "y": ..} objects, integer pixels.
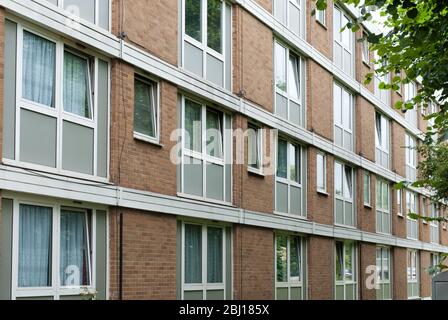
[{"x": 204, "y": 149}]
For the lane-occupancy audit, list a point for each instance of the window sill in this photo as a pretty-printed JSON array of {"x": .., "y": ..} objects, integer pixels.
[
  {"x": 400, "y": 215},
  {"x": 323, "y": 193},
  {"x": 203, "y": 199},
  {"x": 424, "y": 222},
  {"x": 291, "y": 215},
  {"x": 345, "y": 226},
  {"x": 321, "y": 24},
  {"x": 368, "y": 205},
  {"x": 367, "y": 64},
  {"x": 144, "y": 138},
  {"x": 255, "y": 172}
]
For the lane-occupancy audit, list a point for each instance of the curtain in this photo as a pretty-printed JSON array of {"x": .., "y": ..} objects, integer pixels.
[
  {"x": 282, "y": 160},
  {"x": 253, "y": 148},
  {"x": 38, "y": 74},
  {"x": 339, "y": 261},
  {"x": 144, "y": 112},
  {"x": 348, "y": 187},
  {"x": 282, "y": 256},
  {"x": 280, "y": 67},
  {"x": 76, "y": 85},
  {"x": 74, "y": 250},
  {"x": 193, "y": 253},
  {"x": 214, "y": 255},
  {"x": 35, "y": 231},
  {"x": 193, "y": 127},
  {"x": 295, "y": 257},
  {"x": 214, "y": 134},
  {"x": 348, "y": 261},
  {"x": 294, "y": 79},
  {"x": 378, "y": 136}
]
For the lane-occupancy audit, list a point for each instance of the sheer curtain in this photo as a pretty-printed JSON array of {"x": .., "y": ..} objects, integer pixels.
[
  {"x": 35, "y": 229},
  {"x": 38, "y": 74},
  {"x": 144, "y": 103},
  {"x": 253, "y": 148},
  {"x": 214, "y": 134},
  {"x": 76, "y": 85},
  {"x": 214, "y": 255},
  {"x": 74, "y": 250},
  {"x": 193, "y": 253},
  {"x": 193, "y": 134}
]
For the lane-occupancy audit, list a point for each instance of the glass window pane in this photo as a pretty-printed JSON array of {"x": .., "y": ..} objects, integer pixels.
[
  {"x": 214, "y": 133},
  {"x": 280, "y": 67},
  {"x": 35, "y": 231},
  {"x": 193, "y": 253},
  {"x": 214, "y": 255},
  {"x": 320, "y": 171},
  {"x": 337, "y": 100},
  {"x": 367, "y": 188},
  {"x": 348, "y": 187},
  {"x": 193, "y": 126},
  {"x": 193, "y": 11},
  {"x": 253, "y": 152},
  {"x": 39, "y": 65},
  {"x": 338, "y": 178},
  {"x": 144, "y": 108},
  {"x": 214, "y": 32},
  {"x": 346, "y": 110},
  {"x": 295, "y": 258},
  {"x": 349, "y": 271},
  {"x": 294, "y": 77},
  {"x": 346, "y": 34},
  {"x": 294, "y": 168},
  {"x": 339, "y": 261},
  {"x": 76, "y": 85},
  {"x": 282, "y": 161},
  {"x": 282, "y": 256},
  {"x": 74, "y": 249}
]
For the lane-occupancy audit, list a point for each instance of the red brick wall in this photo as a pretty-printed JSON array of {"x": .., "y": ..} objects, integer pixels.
[
  {"x": 319, "y": 36},
  {"x": 367, "y": 257},
  {"x": 399, "y": 276},
  {"x": 365, "y": 128},
  {"x": 425, "y": 278},
  {"x": 366, "y": 216},
  {"x": 320, "y": 268},
  {"x": 398, "y": 150},
  {"x": 265, "y": 4}
]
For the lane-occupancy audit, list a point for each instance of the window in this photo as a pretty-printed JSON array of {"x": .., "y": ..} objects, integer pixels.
[
  {"x": 321, "y": 172},
  {"x": 435, "y": 262},
  {"x": 289, "y": 85},
  {"x": 290, "y": 14},
  {"x": 382, "y": 94},
  {"x": 434, "y": 225},
  {"x": 289, "y": 268},
  {"x": 410, "y": 91},
  {"x": 399, "y": 202},
  {"x": 413, "y": 274},
  {"x": 367, "y": 192},
  {"x": 412, "y": 224},
  {"x": 343, "y": 117},
  {"x": 383, "y": 269},
  {"x": 206, "y": 149},
  {"x": 93, "y": 11},
  {"x": 383, "y": 218},
  {"x": 343, "y": 53},
  {"x": 344, "y": 194},
  {"x": 205, "y": 251},
  {"x": 346, "y": 275},
  {"x": 254, "y": 148},
  {"x": 146, "y": 110},
  {"x": 288, "y": 188},
  {"x": 207, "y": 40},
  {"x": 411, "y": 158},
  {"x": 424, "y": 204},
  {"x": 61, "y": 125},
  {"x": 365, "y": 49},
  {"x": 321, "y": 17},
  {"x": 382, "y": 140}
]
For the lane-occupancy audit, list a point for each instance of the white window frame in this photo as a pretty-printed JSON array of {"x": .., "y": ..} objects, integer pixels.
[
  {"x": 399, "y": 196},
  {"x": 203, "y": 156},
  {"x": 338, "y": 119},
  {"x": 381, "y": 278},
  {"x": 291, "y": 282},
  {"x": 344, "y": 282},
  {"x": 337, "y": 41},
  {"x": 56, "y": 290},
  {"x": 410, "y": 91},
  {"x": 321, "y": 17},
  {"x": 411, "y": 158},
  {"x": 412, "y": 279},
  {"x": 156, "y": 110},
  {"x": 381, "y": 211},
  {"x": 260, "y": 147},
  {"x": 341, "y": 197},
  {"x": 412, "y": 224},
  {"x": 301, "y": 7},
  {"x": 435, "y": 260},
  {"x": 285, "y": 94},
  {"x": 322, "y": 189},
  {"x": 57, "y": 112},
  {"x": 204, "y": 286},
  {"x": 367, "y": 178},
  {"x": 290, "y": 183},
  {"x": 382, "y": 154},
  {"x": 434, "y": 225}
]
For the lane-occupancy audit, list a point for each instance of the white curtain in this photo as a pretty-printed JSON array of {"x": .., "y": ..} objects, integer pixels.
[
  {"x": 214, "y": 255},
  {"x": 74, "y": 251},
  {"x": 253, "y": 160},
  {"x": 144, "y": 104},
  {"x": 193, "y": 253},
  {"x": 38, "y": 74},
  {"x": 76, "y": 85},
  {"x": 35, "y": 229}
]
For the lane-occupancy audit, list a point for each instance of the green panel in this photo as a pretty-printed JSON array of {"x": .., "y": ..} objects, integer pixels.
[
  {"x": 386, "y": 291},
  {"x": 35, "y": 298},
  {"x": 6, "y": 249},
  {"x": 339, "y": 292},
  {"x": 282, "y": 294},
  {"x": 296, "y": 293},
  {"x": 77, "y": 148},
  {"x": 193, "y": 295},
  {"x": 215, "y": 294},
  {"x": 101, "y": 254},
  {"x": 103, "y": 115},
  {"x": 9, "y": 89},
  {"x": 350, "y": 292},
  {"x": 228, "y": 263},
  {"x": 179, "y": 261}
]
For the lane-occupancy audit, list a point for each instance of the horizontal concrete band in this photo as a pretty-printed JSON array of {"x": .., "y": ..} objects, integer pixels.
[{"x": 21, "y": 181}]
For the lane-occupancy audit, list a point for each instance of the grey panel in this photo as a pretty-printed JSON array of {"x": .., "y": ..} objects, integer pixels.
[
  {"x": 193, "y": 59},
  {"x": 280, "y": 10},
  {"x": 85, "y": 8},
  {"x": 295, "y": 114},
  {"x": 350, "y": 292},
  {"x": 338, "y": 136},
  {"x": 103, "y": 14},
  {"x": 294, "y": 19},
  {"x": 9, "y": 89},
  {"x": 179, "y": 143},
  {"x": 193, "y": 176},
  {"x": 347, "y": 62},
  {"x": 281, "y": 106},
  {"x": 296, "y": 294},
  {"x": 103, "y": 115},
  {"x": 347, "y": 141},
  {"x": 6, "y": 249},
  {"x": 34, "y": 298},
  {"x": 295, "y": 200},
  {"x": 441, "y": 290},
  {"x": 215, "y": 70},
  {"x": 72, "y": 298},
  {"x": 228, "y": 157},
  {"x": 282, "y": 294},
  {"x": 215, "y": 183},
  {"x": 281, "y": 197},
  {"x": 179, "y": 260},
  {"x": 215, "y": 294},
  {"x": 37, "y": 138},
  {"x": 229, "y": 263},
  {"x": 77, "y": 148},
  {"x": 193, "y": 295},
  {"x": 228, "y": 47},
  {"x": 339, "y": 292},
  {"x": 339, "y": 211},
  {"x": 386, "y": 223},
  {"x": 101, "y": 254},
  {"x": 349, "y": 214},
  {"x": 337, "y": 54},
  {"x": 386, "y": 291}
]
